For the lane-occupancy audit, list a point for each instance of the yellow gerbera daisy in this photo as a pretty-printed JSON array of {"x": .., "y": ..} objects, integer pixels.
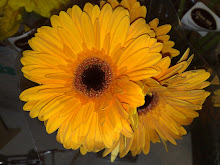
[
  {"x": 134, "y": 7},
  {"x": 161, "y": 35},
  {"x": 88, "y": 63},
  {"x": 171, "y": 100}
]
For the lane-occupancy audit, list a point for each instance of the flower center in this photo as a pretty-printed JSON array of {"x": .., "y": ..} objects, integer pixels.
[
  {"x": 150, "y": 102},
  {"x": 93, "y": 76}
]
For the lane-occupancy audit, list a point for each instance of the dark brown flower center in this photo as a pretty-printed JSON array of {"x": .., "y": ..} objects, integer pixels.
[
  {"x": 93, "y": 76},
  {"x": 150, "y": 103}
]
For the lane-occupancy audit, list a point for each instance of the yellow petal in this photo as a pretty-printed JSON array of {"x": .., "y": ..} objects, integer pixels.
[
  {"x": 135, "y": 59},
  {"x": 50, "y": 35},
  {"x": 142, "y": 74},
  {"x": 53, "y": 107},
  {"x": 132, "y": 100},
  {"x": 90, "y": 140},
  {"x": 54, "y": 123},
  {"x": 120, "y": 33},
  {"x": 87, "y": 112},
  {"x": 28, "y": 106},
  {"x": 87, "y": 31},
  {"x": 88, "y": 9},
  {"x": 114, "y": 118},
  {"x": 116, "y": 17},
  {"x": 74, "y": 140},
  {"x": 83, "y": 151},
  {"x": 184, "y": 56},
  {"x": 37, "y": 107},
  {"x": 163, "y": 38},
  {"x": 161, "y": 30},
  {"x": 71, "y": 28},
  {"x": 106, "y": 138},
  {"x": 114, "y": 3},
  {"x": 68, "y": 41},
  {"x": 84, "y": 129},
  {"x": 149, "y": 60},
  {"x": 137, "y": 44},
  {"x": 77, "y": 117},
  {"x": 125, "y": 4},
  {"x": 95, "y": 13},
  {"x": 121, "y": 109},
  {"x": 72, "y": 106},
  {"x": 76, "y": 16},
  {"x": 157, "y": 47},
  {"x": 41, "y": 45},
  {"x": 102, "y": 3},
  {"x": 104, "y": 17},
  {"x": 114, "y": 153},
  {"x": 154, "y": 23},
  {"x": 32, "y": 93},
  {"x": 55, "y": 21},
  {"x": 163, "y": 64},
  {"x": 126, "y": 129}
]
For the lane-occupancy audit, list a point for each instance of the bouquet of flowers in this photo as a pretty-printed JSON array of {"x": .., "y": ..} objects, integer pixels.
[{"x": 106, "y": 81}]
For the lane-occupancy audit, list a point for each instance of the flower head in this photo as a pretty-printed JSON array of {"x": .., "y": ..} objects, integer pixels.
[
  {"x": 88, "y": 65},
  {"x": 171, "y": 100}
]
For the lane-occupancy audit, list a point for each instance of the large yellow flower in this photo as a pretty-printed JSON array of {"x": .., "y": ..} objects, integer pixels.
[
  {"x": 88, "y": 64},
  {"x": 171, "y": 100}
]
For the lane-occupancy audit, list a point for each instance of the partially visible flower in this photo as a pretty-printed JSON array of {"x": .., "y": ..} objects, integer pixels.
[
  {"x": 43, "y": 7},
  {"x": 9, "y": 21},
  {"x": 134, "y": 7},
  {"x": 89, "y": 64},
  {"x": 10, "y": 12},
  {"x": 138, "y": 11},
  {"x": 163, "y": 37},
  {"x": 171, "y": 100}
]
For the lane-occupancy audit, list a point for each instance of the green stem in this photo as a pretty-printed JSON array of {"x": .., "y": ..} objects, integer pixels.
[{"x": 181, "y": 8}]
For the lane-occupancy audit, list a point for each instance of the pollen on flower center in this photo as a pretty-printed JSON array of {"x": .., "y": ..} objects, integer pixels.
[
  {"x": 150, "y": 102},
  {"x": 93, "y": 76}
]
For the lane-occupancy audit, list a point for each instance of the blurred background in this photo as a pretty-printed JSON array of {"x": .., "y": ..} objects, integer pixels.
[{"x": 24, "y": 140}]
